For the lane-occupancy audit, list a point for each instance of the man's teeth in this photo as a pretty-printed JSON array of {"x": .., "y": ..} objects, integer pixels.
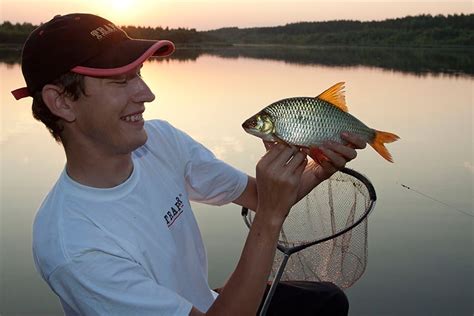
[{"x": 133, "y": 118}]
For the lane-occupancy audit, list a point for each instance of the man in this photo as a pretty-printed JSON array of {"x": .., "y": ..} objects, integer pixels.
[{"x": 116, "y": 234}]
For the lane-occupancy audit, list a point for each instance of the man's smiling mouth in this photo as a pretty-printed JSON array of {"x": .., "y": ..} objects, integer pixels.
[{"x": 133, "y": 117}]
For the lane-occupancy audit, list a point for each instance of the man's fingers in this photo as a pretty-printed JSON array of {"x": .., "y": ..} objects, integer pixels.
[
  {"x": 278, "y": 155},
  {"x": 301, "y": 167},
  {"x": 335, "y": 159},
  {"x": 355, "y": 141},
  {"x": 296, "y": 160},
  {"x": 328, "y": 167},
  {"x": 332, "y": 155},
  {"x": 344, "y": 150},
  {"x": 268, "y": 144},
  {"x": 272, "y": 153},
  {"x": 286, "y": 154}
]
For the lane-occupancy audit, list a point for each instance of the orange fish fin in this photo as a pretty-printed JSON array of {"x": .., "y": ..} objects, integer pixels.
[
  {"x": 316, "y": 154},
  {"x": 335, "y": 96},
  {"x": 378, "y": 143}
]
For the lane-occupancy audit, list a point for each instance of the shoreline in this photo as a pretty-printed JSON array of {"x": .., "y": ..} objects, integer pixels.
[{"x": 213, "y": 45}]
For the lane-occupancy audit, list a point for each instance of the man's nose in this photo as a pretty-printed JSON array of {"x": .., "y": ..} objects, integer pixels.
[{"x": 142, "y": 93}]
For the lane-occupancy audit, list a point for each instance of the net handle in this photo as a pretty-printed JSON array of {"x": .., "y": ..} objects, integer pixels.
[{"x": 373, "y": 199}]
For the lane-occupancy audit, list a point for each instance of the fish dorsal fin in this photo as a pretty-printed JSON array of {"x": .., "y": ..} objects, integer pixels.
[{"x": 335, "y": 96}]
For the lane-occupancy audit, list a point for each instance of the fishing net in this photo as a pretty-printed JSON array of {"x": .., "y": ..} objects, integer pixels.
[{"x": 324, "y": 237}]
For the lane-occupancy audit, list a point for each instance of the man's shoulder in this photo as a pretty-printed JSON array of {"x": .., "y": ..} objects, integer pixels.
[
  {"x": 164, "y": 137},
  {"x": 48, "y": 250},
  {"x": 51, "y": 204},
  {"x": 159, "y": 126},
  {"x": 60, "y": 229}
]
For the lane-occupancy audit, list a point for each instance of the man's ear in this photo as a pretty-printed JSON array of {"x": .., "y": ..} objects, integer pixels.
[{"x": 58, "y": 103}]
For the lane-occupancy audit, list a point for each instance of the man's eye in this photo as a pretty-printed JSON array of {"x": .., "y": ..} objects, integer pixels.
[
  {"x": 122, "y": 80},
  {"x": 127, "y": 78}
]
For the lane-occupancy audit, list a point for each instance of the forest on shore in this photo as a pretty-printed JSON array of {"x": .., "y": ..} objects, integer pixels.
[{"x": 410, "y": 31}]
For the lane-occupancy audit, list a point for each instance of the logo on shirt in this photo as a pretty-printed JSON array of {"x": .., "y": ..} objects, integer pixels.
[{"x": 174, "y": 212}]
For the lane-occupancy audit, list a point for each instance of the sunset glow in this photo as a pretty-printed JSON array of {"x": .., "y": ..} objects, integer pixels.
[
  {"x": 212, "y": 14},
  {"x": 122, "y": 5},
  {"x": 119, "y": 11}
]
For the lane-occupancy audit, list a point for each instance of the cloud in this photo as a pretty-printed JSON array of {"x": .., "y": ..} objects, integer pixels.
[
  {"x": 225, "y": 146},
  {"x": 469, "y": 166}
]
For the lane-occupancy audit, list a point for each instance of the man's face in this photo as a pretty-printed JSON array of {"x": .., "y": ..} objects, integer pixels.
[{"x": 109, "y": 117}]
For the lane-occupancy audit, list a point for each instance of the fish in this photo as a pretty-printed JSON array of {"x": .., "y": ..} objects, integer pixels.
[{"x": 308, "y": 122}]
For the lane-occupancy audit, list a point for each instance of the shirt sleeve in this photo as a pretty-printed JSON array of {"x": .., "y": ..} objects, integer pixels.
[
  {"x": 208, "y": 179},
  {"x": 97, "y": 283}
]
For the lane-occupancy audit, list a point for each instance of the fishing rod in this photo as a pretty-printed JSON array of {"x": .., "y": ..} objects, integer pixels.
[{"x": 432, "y": 198}]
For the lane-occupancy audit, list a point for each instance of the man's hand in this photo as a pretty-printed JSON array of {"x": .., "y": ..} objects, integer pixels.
[
  {"x": 334, "y": 156},
  {"x": 278, "y": 177},
  {"x": 327, "y": 159}
]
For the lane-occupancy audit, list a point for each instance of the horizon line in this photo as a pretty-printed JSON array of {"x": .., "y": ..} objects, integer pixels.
[{"x": 269, "y": 26}]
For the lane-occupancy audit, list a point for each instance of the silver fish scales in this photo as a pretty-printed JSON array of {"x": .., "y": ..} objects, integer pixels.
[{"x": 309, "y": 122}]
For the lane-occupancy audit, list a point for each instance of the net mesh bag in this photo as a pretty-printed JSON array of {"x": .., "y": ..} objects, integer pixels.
[{"x": 337, "y": 207}]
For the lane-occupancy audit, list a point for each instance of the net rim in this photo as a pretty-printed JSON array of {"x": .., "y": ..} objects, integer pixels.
[{"x": 370, "y": 207}]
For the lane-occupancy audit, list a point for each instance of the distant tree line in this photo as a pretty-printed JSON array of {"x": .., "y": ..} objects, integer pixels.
[
  {"x": 179, "y": 35},
  {"x": 17, "y": 33},
  {"x": 411, "y": 31}
]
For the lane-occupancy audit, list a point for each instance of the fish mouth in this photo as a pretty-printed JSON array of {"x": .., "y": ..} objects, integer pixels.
[{"x": 249, "y": 124}]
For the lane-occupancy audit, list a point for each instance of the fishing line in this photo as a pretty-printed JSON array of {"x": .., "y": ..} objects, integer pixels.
[{"x": 432, "y": 198}]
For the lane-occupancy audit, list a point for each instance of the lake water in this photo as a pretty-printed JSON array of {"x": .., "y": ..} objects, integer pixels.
[{"x": 420, "y": 252}]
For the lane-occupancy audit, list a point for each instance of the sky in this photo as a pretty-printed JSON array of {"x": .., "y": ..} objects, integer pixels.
[{"x": 212, "y": 14}]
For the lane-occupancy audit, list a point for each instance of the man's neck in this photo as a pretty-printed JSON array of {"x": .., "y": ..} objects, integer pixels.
[{"x": 99, "y": 172}]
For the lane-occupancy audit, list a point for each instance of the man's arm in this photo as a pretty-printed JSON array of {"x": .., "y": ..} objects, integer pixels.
[
  {"x": 277, "y": 187},
  {"x": 278, "y": 183},
  {"x": 249, "y": 198}
]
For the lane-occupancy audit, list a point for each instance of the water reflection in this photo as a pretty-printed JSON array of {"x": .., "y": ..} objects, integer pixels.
[
  {"x": 415, "y": 245},
  {"x": 420, "y": 61},
  {"x": 10, "y": 54}
]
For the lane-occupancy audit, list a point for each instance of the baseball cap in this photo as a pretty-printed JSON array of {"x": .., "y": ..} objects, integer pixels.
[{"x": 83, "y": 43}]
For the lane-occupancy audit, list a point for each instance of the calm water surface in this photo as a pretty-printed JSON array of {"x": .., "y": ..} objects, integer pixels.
[{"x": 420, "y": 259}]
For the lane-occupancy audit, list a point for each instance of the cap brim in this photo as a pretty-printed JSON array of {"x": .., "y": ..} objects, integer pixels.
[{"x": 124, "y": 58}]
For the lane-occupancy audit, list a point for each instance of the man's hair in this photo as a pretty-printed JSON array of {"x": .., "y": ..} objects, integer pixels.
[{"x": 73, "y": 87}]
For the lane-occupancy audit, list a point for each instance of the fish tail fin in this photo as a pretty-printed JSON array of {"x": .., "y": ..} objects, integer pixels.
[{"x": 378, "y": 143}]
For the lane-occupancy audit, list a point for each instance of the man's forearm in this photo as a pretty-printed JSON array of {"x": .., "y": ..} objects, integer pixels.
[
  {"x": 249, "y": 198},
  {"x": 244, "y": 290},
  {"x": 279, "y": 173}
]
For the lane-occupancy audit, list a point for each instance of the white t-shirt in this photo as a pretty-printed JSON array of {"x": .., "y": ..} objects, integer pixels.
[{"x": 135, "y": 249}]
